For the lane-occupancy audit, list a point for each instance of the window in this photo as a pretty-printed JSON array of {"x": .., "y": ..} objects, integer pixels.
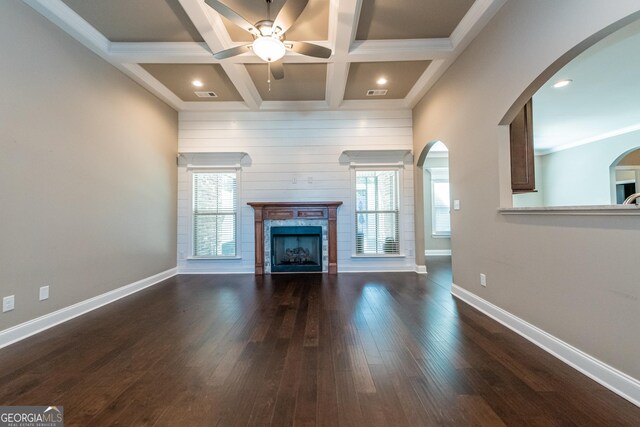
[
  {"x": 440, "y": 207},
  {"x": 377, "y": 212},
  {"x": 215, "y": 203}
]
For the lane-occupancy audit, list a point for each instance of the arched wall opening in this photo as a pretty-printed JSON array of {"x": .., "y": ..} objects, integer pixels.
[
  {"x": 435, "y": 200},
  {"x": 624, "y": 175},
  {"x": 585, "y": 115}
]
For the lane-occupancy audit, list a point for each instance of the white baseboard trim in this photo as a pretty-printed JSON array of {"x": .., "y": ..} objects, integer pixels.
[
  {"x": 210, "y": 272},
  {"x": 616, "y": 381},
  {"x": 421, "y": 269},
  {"x": 42, "y": 323},
  {"x": 376, "y": 270},
  {"x": 438, "y": 252}
]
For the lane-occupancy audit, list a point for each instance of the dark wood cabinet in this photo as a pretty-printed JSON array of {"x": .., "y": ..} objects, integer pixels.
[{"x": 522, "y": 154}]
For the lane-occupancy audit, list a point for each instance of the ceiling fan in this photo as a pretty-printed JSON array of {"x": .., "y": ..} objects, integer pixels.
[{"x": 268, "y": 35}]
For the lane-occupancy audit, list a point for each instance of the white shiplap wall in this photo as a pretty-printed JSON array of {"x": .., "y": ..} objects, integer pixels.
[{"x": 295, "y": 157}]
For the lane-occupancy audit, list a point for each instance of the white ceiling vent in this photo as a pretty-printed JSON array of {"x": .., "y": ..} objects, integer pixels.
[
  {"x": 376, "y": 92},
  {"x": 205, "y": 94}
]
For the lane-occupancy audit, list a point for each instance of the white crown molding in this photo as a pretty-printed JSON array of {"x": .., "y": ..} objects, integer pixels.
[
  {"x": 595, "y": 138},
  {"x": 32, "y": 327},
  {"x": 65, "y": 18},
  {"x": 210, "y": 26},
  {"x": 428, "y": 78},
  {"x": 343, "y": 22},
  {"x": 142, "y": 76},
  {"x": 473, "y": 21},
  {"x": 611, "y": 378}
]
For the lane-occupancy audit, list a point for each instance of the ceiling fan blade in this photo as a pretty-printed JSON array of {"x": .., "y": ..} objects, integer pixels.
[
  {"x": 310, "y": 49},
  {"x": 277, "y": 70},
  {"x": 232, "y": 16},
  {"x": 291, "y": 10},
  {"x": 234, "y": 51}
]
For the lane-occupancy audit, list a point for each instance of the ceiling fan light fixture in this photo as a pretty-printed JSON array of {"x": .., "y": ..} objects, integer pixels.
[{"x": 269, "y": 49}]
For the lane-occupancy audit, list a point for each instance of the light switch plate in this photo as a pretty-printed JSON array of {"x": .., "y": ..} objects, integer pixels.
[
  {"x": 44, "y": 293},
  {"x": 456, "y": 205},
  {"x": 8, "y": 303}
]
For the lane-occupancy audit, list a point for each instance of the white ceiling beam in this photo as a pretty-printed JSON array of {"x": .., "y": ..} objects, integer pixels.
[
  {"x": 210, "y": 26},
  {"x": 343, "y": 24},
  {"x": 161, "y": 53},
  {"x": 74, "y": 25},
  {"x": 194, "y": 53},
  {"x": 144, "y": 78},
  {"x": 474, "y": 20},
  {"x": 399, "y": 50}
]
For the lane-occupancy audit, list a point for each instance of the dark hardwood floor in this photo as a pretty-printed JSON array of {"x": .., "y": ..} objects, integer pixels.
[{"x": 389, "y": 349}]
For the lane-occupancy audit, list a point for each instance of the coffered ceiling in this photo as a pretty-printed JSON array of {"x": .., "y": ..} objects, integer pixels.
[{"x": 166, "y": 44}]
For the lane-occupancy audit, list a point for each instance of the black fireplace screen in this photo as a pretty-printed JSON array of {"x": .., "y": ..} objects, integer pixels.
[{"x": 296, "y": 249}]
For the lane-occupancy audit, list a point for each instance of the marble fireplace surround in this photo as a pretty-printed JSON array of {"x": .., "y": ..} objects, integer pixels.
[{"x": 268, "y": 214}]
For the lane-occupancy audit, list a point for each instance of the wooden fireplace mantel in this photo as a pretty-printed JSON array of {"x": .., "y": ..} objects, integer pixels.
[{"x": 295, "y": 210}]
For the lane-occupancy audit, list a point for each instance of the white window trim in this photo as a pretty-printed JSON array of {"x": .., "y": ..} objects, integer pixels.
[
  {"x": 438, "y": 175},
  {"x": 190, "y": 240},
  {"x": 399, "y": 167}
]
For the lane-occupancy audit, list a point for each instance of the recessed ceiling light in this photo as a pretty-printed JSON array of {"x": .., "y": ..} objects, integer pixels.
[
  {"x": 382, "y": 81},
  {"x": 197, "y": 83},
  {"x": 562, "y": 83}
]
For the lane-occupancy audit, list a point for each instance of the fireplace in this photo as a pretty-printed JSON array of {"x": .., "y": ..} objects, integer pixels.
[
  {"x": 270, "y": 215},
  {"x": 296, "y": 249}
]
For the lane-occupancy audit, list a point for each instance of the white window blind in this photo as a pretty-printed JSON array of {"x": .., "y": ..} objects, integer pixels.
[
  {"x": 377, "y": 212},
  {"x": 440, "y": 205},
  {"x": 215, "y": 202}
]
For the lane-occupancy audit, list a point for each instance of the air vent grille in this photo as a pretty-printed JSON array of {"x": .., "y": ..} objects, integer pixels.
[
  {"x": 205, "y": 94},
  {"x": 376, "y": 92}
]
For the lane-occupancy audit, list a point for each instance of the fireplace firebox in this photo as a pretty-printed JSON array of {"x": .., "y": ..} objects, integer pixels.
[{"x": 296, "y": 249}]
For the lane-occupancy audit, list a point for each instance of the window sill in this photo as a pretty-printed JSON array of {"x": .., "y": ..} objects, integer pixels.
[
  {"x": 379, "y": 256},
  {"x": 574, "y": 210},
  {"x": 220, "y": 258},
  {"x": 441, "y": 236}
]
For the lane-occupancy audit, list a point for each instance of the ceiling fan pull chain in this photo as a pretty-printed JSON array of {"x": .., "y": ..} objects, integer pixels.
[{"x": 269, "y": 75}]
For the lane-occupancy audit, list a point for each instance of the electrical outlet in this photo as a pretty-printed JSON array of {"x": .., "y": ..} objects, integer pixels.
[
  {"x": 483, "y": 280},
  {"x": 44, "y": 293},
  {"x": 8, "y": 303}
]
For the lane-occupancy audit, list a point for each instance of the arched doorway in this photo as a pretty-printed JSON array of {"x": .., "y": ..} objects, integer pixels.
[
  {"x": 434, "y": 166},
  {"x": 625, "y": 176}
]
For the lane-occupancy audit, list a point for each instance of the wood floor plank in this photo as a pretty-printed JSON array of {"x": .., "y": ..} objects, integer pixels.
[{"x": 369, "y": 350}]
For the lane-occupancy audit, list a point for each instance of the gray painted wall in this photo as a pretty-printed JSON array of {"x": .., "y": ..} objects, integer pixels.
[
  {"x": 572, "y": 276},
  {"x": 582, "y": 175},
  {"x": 87, "y": 171}
]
